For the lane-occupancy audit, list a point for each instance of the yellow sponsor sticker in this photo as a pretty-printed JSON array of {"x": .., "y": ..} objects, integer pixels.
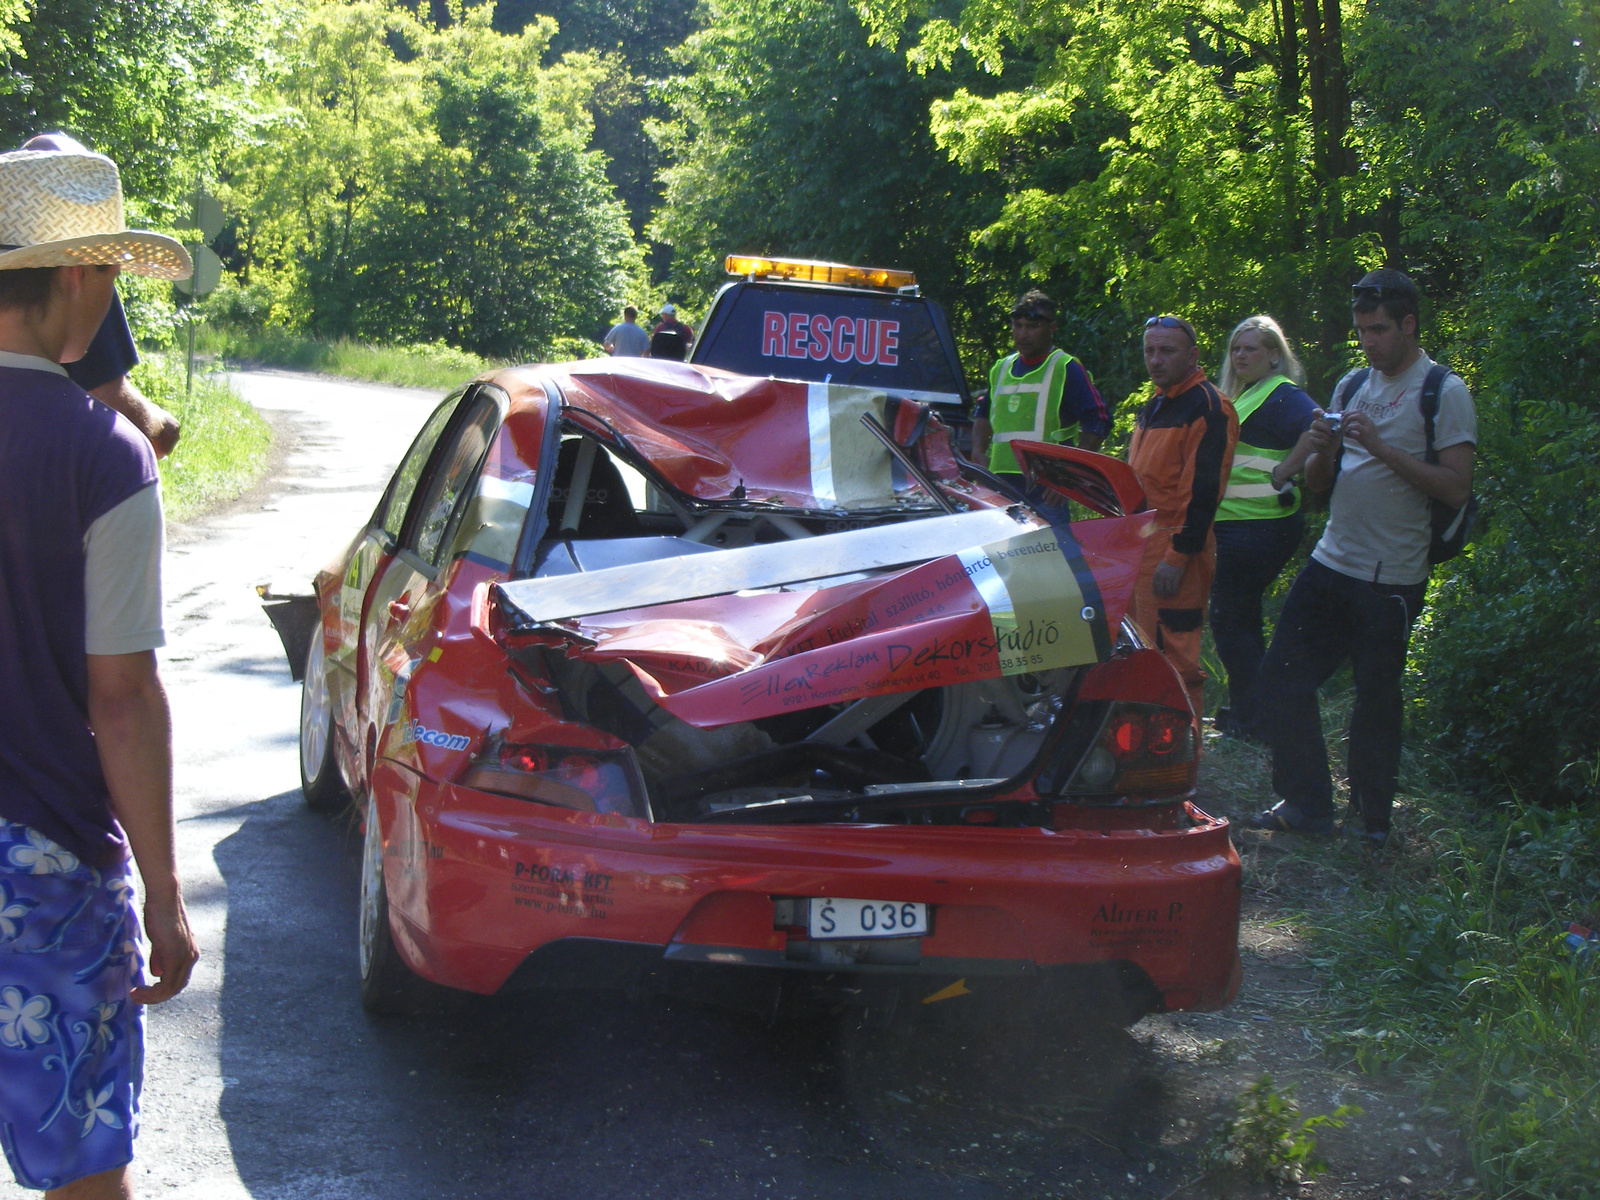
[{"x": 1034, "y": 603}]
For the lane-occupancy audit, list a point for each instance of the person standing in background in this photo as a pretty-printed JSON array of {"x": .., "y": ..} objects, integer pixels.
[
  {"x": 1386, "y": 459},
  {"x": 671, "y": 338},
  {"x": 1182, "y": 449},
  {"x": 626, "y": 339},
  {"x": 1039, "y": 392},
  {"x": 1259, "y": 523}
]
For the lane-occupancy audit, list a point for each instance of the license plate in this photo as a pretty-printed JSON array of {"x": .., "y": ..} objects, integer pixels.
[{"x": 866, "y": 918}]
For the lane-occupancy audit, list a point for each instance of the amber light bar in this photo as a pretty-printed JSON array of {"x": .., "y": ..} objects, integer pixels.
[{"x": 809, "y": 271}]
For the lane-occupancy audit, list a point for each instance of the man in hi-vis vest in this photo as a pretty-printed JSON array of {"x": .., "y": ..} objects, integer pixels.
[{"x": 1040, "y": 392}]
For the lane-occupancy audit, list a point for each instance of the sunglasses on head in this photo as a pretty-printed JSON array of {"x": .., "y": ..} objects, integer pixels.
[
  {"x": 1373, "y": 291},
  {"x": 1167, "y": 322}
]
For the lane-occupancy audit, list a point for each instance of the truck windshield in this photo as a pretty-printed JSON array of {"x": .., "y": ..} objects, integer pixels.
[{"x": 868, "y": 339}]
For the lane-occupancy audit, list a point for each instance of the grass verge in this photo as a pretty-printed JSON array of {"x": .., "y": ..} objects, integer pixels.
[
  {"x": 223, "y": 449},
  {"x": 435, "y": 366},
  {"x": 1452, "y": 962},
  {"x": 1445, "y": 963}
]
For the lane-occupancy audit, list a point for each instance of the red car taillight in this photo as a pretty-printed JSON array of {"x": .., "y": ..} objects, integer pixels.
[
  {"x": 1144, "y": 751},
  {"x": 585, "y": 780}
]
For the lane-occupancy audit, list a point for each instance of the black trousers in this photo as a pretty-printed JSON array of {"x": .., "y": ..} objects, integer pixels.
[
  {"x": 1250, "y": 554},
  {"x": 1329, "y": 618}
]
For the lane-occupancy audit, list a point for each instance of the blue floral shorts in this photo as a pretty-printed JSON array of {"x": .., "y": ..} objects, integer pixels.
[{"x": 71, "y": 1042}]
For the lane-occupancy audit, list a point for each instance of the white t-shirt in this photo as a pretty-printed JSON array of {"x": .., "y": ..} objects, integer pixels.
[{"x": 1378, "y": 524}]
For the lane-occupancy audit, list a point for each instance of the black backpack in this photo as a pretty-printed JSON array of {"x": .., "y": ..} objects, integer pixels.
[
  {"x": 1452, "y": 527},
  {"x": 668, "y": 342}
]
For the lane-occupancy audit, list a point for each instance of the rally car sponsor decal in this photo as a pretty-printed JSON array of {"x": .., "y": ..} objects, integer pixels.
[
  {"x": 562, "y": 891},
  {"x": 418, "y": 733}
]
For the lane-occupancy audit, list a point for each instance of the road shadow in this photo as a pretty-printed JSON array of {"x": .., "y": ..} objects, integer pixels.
[{"x": 555, "y": 1093}]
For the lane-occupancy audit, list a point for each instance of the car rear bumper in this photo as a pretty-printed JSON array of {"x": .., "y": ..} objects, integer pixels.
[{"x": 482, "y": 885}]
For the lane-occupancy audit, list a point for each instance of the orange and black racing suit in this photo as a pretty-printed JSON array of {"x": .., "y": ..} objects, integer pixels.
[{"x": 1182, "y": 450}]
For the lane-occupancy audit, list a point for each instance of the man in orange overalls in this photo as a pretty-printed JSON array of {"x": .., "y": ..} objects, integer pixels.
[{"x": 1182, "y": 449}]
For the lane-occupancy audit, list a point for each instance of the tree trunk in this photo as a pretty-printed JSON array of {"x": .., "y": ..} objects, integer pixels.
[
  {"x": 1287, "y": 31},
  {"x": 1331, "y": 161}
]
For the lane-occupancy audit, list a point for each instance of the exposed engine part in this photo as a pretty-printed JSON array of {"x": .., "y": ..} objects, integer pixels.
[
  {"x": 993, "y": 728},
  {"x": 988, "y": 729}
]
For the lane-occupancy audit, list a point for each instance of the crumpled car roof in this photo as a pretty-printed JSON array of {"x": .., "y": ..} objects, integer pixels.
[{"x": 711, "y": 433}]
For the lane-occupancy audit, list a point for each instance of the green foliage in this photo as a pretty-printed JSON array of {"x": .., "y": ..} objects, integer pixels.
[
  {"x": 634, "y": 40},
  {"x": 12, "y": 14},
  {"x": 436, "y": 192},
  {"x": 424, "y": 366},
  {"x": 1269, "y": 1140},
  {"x": 159, "y": 85},
  {"x": 1506, "y": 672},
  {"x": 793, "y": 135},
  {"x": 1458, "y": 972},
  {"x": 223, "y": 449}
]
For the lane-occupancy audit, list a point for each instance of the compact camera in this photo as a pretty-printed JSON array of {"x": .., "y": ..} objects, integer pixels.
[{"x": 1335, "y": 420}]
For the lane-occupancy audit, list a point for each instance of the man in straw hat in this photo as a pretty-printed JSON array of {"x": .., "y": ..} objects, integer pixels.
[
  {"x": 103, "y": 369},
  {"x": 85, "y": 743}
]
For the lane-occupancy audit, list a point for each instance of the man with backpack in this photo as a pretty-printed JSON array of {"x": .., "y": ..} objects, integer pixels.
[{"x": 1396, "y": 450}]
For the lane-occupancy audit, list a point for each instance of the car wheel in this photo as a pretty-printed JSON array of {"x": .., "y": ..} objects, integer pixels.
[
  {"x": 387, "y": 984},
  {"x": 320, "y": 782}
]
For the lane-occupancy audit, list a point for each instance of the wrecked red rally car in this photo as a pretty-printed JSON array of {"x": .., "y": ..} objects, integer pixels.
[{"x": 650, "y": 674}]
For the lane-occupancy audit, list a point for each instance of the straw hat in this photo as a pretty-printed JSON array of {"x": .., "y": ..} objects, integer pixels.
[{"x": 63, "y": 208}]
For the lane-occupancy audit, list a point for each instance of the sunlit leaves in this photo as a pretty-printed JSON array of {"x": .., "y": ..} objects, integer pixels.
[{"x": 422, "y": 184}]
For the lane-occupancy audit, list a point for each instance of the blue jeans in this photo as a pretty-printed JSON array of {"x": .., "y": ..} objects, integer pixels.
[
  {"x": 1250, "y": 554},
  {"x": 1327, "y": 619}
]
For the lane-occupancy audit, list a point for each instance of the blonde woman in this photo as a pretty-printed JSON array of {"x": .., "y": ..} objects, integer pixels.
[{"x": 1258, "y": 523}]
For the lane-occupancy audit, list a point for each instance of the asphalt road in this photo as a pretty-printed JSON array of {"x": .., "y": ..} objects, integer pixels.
[{"x": 266, "y": 1078}]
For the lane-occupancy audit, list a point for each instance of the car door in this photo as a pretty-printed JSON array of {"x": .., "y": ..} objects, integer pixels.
[
  {"x": 411, "y": 582},
  {"x": 373, "y": 548}
]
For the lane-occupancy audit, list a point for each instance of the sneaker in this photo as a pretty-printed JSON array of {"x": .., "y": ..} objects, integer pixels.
[{"x": 1284, "y": 817}]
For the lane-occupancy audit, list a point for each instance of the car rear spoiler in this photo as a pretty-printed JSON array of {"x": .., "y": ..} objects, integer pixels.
[{"x": 1107, "y": 485}]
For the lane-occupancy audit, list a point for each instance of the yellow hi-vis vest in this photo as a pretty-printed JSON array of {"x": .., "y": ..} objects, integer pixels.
[
  {"x": 1250, "y": 495},
  {"x": 1026, "y": 406}
]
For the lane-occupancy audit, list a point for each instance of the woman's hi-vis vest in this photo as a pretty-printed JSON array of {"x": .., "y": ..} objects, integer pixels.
[
  {"x": 1026, "y": 406},
  {"x": 1250, "y": 495}
]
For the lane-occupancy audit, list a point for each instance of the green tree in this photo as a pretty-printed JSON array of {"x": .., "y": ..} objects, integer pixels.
[
  {"x": 345, "y": 114},
  {"x": 635, "y": 40},
  {"x": 12, "y": 14},
  {"x": 792, "y": 134},
  {"x": 427, "y": 184},
  {"x": 160, "y": 85}
]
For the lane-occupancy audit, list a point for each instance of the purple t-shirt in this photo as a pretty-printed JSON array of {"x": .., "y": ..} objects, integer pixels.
[{"x": 65, "y": 461}]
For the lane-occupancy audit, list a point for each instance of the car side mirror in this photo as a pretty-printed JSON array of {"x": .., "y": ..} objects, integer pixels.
[{"x": 1102, "y": 484}]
